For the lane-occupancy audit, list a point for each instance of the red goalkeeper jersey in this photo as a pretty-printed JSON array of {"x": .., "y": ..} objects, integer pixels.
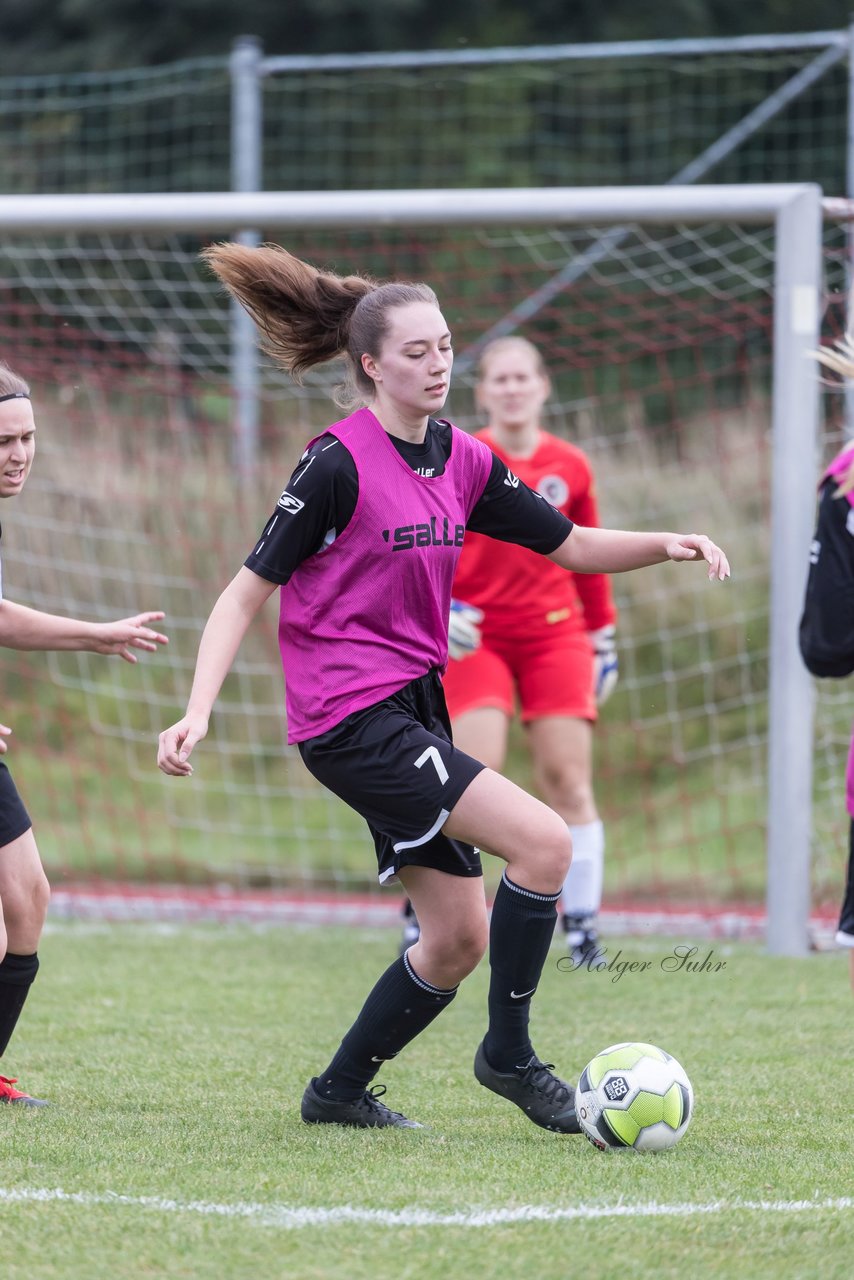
[{"x": 514, "y": 585}]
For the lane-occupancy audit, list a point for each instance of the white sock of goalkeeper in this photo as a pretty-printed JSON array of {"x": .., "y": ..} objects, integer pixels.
[{"x": 582, "y": 889}]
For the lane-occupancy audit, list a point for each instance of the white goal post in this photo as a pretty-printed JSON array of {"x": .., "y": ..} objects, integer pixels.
[{"x": 794, "y": 211}]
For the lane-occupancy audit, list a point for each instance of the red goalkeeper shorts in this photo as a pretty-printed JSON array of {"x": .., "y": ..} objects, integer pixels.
[{"x": 548, "y": 669}]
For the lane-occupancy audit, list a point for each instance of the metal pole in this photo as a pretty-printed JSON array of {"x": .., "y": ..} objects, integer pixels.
[
  {"x": 444, "y": 58},
  {"x": 793, "y": 466},
  {"x": 246, "y": 176}
]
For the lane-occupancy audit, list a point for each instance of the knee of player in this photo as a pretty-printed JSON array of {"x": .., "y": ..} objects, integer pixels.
[
  {"x": 469, "y": 946},
  {"x": 40, "y": 897},
  {"x": 554, "y": 853},
  {"x": 462, "y": 951},
  {"x": 26, "y": 908},
  {"x": 573, "y": 786}
]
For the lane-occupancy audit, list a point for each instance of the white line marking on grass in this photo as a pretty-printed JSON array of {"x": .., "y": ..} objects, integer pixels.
[{"x": 289, "y": 1217}]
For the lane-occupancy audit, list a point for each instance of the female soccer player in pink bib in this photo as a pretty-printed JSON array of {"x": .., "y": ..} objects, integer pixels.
[{"x": 363, "y": 545}]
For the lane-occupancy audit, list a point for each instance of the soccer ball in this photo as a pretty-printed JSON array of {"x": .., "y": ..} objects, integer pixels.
[{"x": 634, "y": 1095}]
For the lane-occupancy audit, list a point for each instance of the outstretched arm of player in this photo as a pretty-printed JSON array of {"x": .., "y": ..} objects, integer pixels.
[
  {"x": 23, "y": 628},
  {"x": 228, "y": 623},
  {"x": 587, "y": 550}
]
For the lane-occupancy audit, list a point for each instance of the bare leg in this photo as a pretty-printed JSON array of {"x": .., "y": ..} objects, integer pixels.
[
  {"x": 562, "y": 748},
  {"x": 24, "y": 895},
  {"x": 494, "y": 814},
  {"x": 454, "y": 927},
  {"x": 482, "y": 733},
  {"x": 562, "y": 752}
]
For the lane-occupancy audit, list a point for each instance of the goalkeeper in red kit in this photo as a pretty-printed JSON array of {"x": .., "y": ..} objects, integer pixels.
[{"x": 524, "y": 634}]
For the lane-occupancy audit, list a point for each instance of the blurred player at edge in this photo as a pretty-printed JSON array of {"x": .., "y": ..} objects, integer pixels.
[
  {"x": 826, "y": 633},
  {"x": 522, "y": 629},
  {"x": 24, "y": 890}
]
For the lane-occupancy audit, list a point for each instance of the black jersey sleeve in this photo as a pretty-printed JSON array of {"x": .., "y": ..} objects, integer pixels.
[
  {"x": 826, "y": 633},
  {"x": 512, "y": 512},
  {"x": 316, "y": 506}
]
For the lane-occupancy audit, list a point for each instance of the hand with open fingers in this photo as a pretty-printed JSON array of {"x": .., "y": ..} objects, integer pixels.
[
  {"x": 696, "y": 546},
  {"x": 177, "y": 742},
  {"x": 463, "y": 629},
  {"x": 4, "y": 733},
  {"x": 119, "y": 638}
]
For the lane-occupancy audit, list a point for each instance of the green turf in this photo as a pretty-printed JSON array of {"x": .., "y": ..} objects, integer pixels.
[{"x": 175, "y": 1059}]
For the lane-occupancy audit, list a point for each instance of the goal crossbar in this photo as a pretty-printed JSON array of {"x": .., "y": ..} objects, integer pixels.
[{"x": 536, "y": 206}]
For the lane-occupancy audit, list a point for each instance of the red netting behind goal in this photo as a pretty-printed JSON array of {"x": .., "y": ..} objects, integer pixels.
[{"x": 660, "y": 355}]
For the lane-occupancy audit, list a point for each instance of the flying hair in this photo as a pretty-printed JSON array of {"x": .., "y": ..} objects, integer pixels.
[{"x": 307, "y": 316}]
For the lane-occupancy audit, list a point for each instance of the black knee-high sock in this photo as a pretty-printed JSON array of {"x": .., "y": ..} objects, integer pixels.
[
  {"x": 400, "y": 1006},
  {"x": 16, "y": 977},
  {"x": 520, "y": 934}
]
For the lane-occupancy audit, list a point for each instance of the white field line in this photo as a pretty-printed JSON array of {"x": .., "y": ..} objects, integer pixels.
[{"x": 290, "y": 1217}]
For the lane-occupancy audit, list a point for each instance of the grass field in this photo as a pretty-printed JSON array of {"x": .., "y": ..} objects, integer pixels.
[{"x": 175, "y": 1060}]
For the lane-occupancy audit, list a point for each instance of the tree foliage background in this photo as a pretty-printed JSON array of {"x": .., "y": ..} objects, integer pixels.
[{"x": 94, "y": 35}]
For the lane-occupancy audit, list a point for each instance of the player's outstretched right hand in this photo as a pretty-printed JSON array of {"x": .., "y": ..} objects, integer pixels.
[{"x": 176, "y": 744}]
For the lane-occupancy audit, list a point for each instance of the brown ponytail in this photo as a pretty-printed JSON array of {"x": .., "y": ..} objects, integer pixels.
[{"x": 307, "y": 316}]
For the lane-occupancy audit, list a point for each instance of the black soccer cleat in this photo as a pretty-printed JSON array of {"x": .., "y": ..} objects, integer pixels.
[
  {"x": 366, "y": 1112},
  {"x": 543, "y": 1096}
]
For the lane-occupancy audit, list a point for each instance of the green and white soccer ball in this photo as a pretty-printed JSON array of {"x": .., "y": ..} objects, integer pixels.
[{"x": 634, "y": 1095}]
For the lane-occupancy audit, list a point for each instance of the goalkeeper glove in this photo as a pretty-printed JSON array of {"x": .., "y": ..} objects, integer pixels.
[
  {"x": 463, "y": 631},
  {"x": 605, "y": 665}
]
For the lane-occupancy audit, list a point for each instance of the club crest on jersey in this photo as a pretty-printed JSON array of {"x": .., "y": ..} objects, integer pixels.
[
  {"x": 428, "y": 534},
  {"x": 289, "y": 503},
  {"x": 554, "y": 489}
]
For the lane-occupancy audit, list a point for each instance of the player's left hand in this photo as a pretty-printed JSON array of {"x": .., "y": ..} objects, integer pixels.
[
  {"x": 606, "y": 669},
  {"x": 120, "y": 638},
  {"x": 696, "y": 546}
]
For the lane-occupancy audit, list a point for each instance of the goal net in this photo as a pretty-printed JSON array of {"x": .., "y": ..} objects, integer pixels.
[{"x": 659, "y": 343}]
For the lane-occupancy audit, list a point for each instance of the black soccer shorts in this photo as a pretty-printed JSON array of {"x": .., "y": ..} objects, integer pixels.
[
  {"x": 396, "y": 765},
  {"x": 14, "y": 819}
]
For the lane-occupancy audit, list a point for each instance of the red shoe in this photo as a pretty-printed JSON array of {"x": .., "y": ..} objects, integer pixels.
[{"x": 8, "y": 1093}]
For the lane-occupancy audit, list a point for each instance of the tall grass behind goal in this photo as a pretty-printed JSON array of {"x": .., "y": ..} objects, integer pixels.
[{"x": 659, "y": 340}]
